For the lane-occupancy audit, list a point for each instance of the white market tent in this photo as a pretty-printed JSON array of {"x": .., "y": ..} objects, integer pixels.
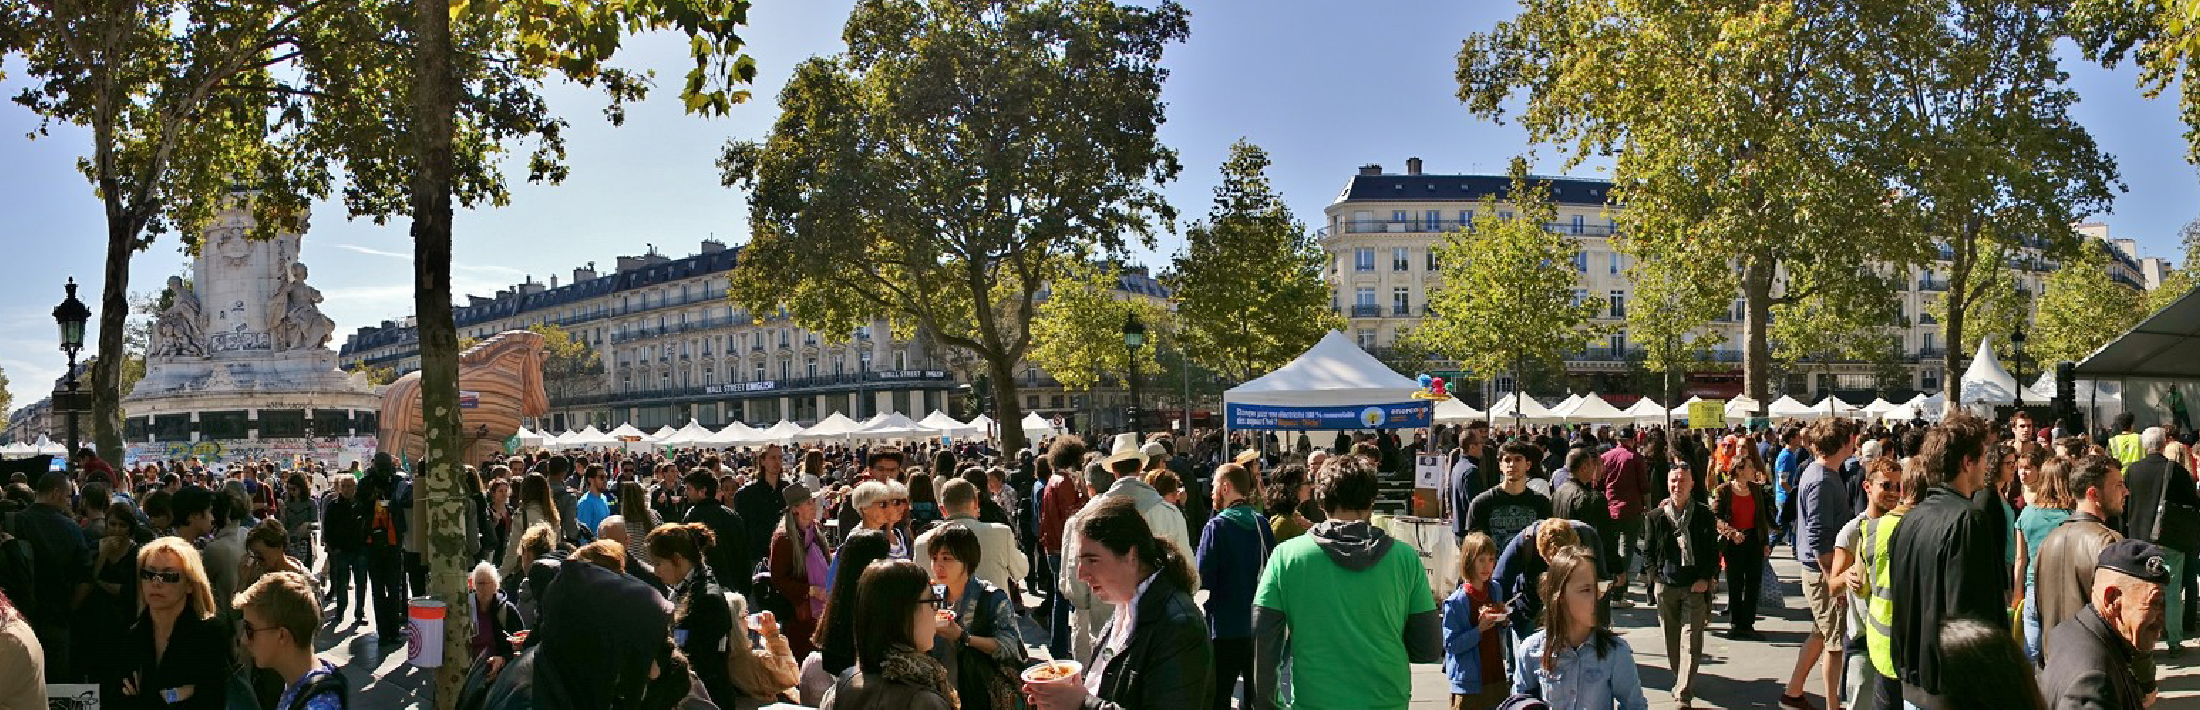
[
  {"x": 1566, "y": 405},
  {"x": 1594, "y": 409},
  {"x": 1985, "y": 383},
  {"x": 1787, "y": 408},
  {"x": 1681, "y": 412},
  {"x": 1333, "y": 373},
  {"x": 559, "y": 440},
  {"x": 836, "y": 426},
  {"x": 1646, "y": 411},
  {"x": 984, "y": 425},
  {"x": 1521, "y": 408},
  {"x": 735, "y": 434},
  {"x": 894, "y": 426},
  {"x": 588, "y": 438},
  {"x": 1036, "y": 426},
  {"x": 1877, "y": 408},
  {"x": 626, "y": 430},
  {"x": 16, "y": 449},
  {"x": 694, "y": 434},
  {"x": 939, "y": 420},
  {"x": 529, "y": 438},
  {"x": 1741, "y": 407},
  {"x": 782, "y": 432},
  {"x": 1453, "y": 411},
  {"x": 875, "y": 418},
  {"x": 1833, "y": 407},
  {"x": 662, "y": 433}
]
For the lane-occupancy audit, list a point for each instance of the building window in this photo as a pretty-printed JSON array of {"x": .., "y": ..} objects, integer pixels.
[
  {"x": 1399, "y": 261},
  {"x": 1434, "y": 220},
  {"x": 1363, "y": 259},
  {"x": 1618, "y": 260},
  {"x": 1506, "y": 215},
  {"x": 1578, "y": 219},
  {"x": 1580, "y": 295},
  {"x": 1581, "y": 262},
  {"x": 1364, "y": 297},
  {"x": 759, "y": 372},
  {"x": 1466, "y": 218},
  {"x": 1619, "y": 304},
  {"x": 1619, "y": 345},
  {"x": 901, "y": 359},
  {"x": 1367, "y": 338},
  {"x": 1399, "y": 301},
  {"x": 786, "y": 369},
  {"x": 1031, "y": 402},
  {"x": 1398, "y": 216},
  {"x": 1054, "y": 401},
  {"x": 809, "y": 367},
  {"x": 1432, "y": 259}
]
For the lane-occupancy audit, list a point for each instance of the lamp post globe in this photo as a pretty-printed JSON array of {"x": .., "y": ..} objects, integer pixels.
[
  {"x": 1134, "y": 335},
  {"x": 71, "y": 316}
]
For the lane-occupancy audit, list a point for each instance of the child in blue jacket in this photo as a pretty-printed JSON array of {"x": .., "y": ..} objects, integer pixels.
[{"x": 1474, "y": 656}]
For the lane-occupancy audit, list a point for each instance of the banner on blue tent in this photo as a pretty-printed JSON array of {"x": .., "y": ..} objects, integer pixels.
[{"x": 1399, "y": 415}]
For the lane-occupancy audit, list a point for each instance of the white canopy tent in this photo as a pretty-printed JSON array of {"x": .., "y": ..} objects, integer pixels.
[
  {"x": 1566, "y": 405},
  {"x": 626, "y": 430},
  {"x": 1333, "y": 373},
  {"x": 1036, "y": 427},
  {"x": 835, "y": 426},
  {"x": 939, "y": 420},
  {"x": 735, "y": 434},
  {"x": 894, "y": 426},
  {"x": 1594, "y": 409},
  {"x": 1877, "y": 408},
  {"x": 694, "y": 434},
  {"x": 1646, "y": 411},
  {"x": 1742, "y": 407},
  {"x": 783, "y": 432},
  {"x": 1520, "y": 408},
  {"x": 1788, "y": 408},
  {"x": 661, "y": 434},
  {"x": 1985, "y": 383},
  {"x": 529, "y": 438},
  {"x": 876, "y": 418},
  {"x": 1453, "y": 411},
  {"x": 588, "y": 438},
  {"x": 1681, "y": 412},
  {"x": 985, "y": 426},
  {"x": 1833, "y": 407}
]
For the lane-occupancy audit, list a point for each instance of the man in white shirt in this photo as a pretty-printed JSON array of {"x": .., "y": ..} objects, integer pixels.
[
  {"x": 999, "y": 560},
  {"x": 1092, "y": 612}
]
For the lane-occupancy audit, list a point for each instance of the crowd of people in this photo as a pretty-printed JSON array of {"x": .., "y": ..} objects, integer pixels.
[{"x": 1957, "y": 564}]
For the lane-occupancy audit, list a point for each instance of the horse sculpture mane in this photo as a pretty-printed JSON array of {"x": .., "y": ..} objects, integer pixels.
[{"x": 505, "y": 371}]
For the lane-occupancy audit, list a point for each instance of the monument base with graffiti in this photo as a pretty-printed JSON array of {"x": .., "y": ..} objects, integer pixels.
[{"x": 337, "y": 452}]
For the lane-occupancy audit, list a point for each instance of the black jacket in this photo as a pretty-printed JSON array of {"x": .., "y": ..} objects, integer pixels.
[
  {"x": 760, "y": 505},
  {"x": 2091, "y": 667},
  {"x": 344, "y": 525},
  {"x": 1945, "y": 561},
  {"x": 1168, "y": 662},
  {"x": 702, "y": 625},
  {"x": 1664, "y": 542},
  {"x": 2151, "y": 479},
  {"x": 198, "y": 655},
  {"x": 728, "y": 557},
  {"x": 1585, "y": 504}
]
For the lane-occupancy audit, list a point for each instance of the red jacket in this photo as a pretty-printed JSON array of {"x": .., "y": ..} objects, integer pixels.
[
  {"x": 1063, "y": 498},
  {"x": 1626, "y": 482}
]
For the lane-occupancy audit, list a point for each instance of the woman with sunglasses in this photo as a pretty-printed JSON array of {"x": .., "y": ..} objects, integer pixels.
[
  {"x": 179, "y": 654},
  {"x": 901, "y": 617},
  {"x": 1744, "y": 506}
]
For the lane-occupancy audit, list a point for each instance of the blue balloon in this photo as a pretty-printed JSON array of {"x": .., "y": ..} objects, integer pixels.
[{"x": 1424, "y": 379}]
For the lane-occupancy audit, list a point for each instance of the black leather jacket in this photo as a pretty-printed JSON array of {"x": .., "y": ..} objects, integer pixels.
[{"x": 1168, "y": 662}]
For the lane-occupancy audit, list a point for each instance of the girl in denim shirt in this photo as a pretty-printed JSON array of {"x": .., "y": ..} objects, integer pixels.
[{"x": 1586, "y": 667}]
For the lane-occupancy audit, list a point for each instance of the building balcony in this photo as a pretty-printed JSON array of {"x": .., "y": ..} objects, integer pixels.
[
  {"x": 1931, "y": 353},
  {"x": 1365, "y": 310},
  {"x": 796, "y": 387},
  {"x": 1437, "y": 226},
  {"x": 1932, "y": 285}
]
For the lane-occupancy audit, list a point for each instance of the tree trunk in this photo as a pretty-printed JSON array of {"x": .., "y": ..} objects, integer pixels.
[
  {"x": 1756, "y": 326},
  {"x": 1008, "y": 413},
  {"x": 114, "y": 314},
  {"x": 435, "y": 103},
  {"x": 1952, "y": 361}
]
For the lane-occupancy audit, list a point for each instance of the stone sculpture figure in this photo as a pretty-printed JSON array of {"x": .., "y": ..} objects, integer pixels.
[
  {"x": 298, "y": 323},
  {"x": 180, "y": 331}
]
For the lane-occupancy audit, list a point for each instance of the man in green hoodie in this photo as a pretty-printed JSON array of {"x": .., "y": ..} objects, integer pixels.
[
  {"x": 1232, "y": 549},
  {"x": 1352, "y": 608}
]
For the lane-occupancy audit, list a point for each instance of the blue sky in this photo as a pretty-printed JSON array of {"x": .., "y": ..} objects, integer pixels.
[{"x": 1322, "y": 91}]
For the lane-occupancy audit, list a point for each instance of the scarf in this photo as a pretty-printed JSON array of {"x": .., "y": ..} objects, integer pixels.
[
  {"x": 1683, "y": 524},
  {"x": 905, "y": 665}
]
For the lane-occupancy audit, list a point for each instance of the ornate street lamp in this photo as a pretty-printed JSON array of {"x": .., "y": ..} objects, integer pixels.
[
  {"x": 1134, "y": 335},
  {"x": 71, "y": 316}
]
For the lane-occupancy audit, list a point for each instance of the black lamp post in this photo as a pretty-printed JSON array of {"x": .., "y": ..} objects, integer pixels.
[
  {"x": 71, "y": 316},
  {"x": 2016, "y": 357},
  {"x": 1134, "y": 335}
]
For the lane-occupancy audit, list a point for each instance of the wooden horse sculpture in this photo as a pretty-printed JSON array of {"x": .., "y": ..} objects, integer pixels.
[{"x": 505, "y": 371}]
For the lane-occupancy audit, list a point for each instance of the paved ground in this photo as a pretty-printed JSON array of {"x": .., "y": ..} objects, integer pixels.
[{"x": 1734, "y": 674}]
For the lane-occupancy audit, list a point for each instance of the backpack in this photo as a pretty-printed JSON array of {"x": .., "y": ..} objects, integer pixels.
[{"x": 332, "y": 683}]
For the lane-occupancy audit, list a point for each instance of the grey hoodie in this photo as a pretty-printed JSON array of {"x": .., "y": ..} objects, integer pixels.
[{"x": 1355, "y": 545}]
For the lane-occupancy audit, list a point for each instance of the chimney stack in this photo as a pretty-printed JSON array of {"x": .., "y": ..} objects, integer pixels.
[
  {"x": 1413, "y": 166},
  {"x": 1371, "y": 169}
]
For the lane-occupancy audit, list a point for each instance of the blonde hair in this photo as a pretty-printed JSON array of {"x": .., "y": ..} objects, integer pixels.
[
  {"x": 758, "y": 673},
  {"x": 1555, "y": 534},
  {"x": 194, "y": 572},
  {"x": 287, "y": 600}
]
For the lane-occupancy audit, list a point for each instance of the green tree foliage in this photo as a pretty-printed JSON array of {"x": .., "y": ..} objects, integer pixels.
[
  {"x": 1981, "y": 137},
  {"x": 173, "y": 95},
  {"x": 938, "y": 170},
  {"x": 2081, "y": 309},
  {"x": 2185, "y": 277},
  {"x": 2161, "y": 37},
  {"x": 1508, "y": 298},
  {"x": 377, "y": 375},
  {"x": 1078, "y": 334},
  {"x": 570, "y": 368},
  {"x": 1741, "y": 133},
  {"x": 1667, "y": 321},
  {"x": 1248, "y": 284}
]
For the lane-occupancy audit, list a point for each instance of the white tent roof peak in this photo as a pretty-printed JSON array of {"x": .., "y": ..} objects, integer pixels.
[
  {"x": 1334, "y": 372},
  {"x": 1985, "y": 382}
]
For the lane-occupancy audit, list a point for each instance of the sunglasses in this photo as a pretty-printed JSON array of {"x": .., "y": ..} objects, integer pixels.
[
  {"x": 934, "y": 602},
  {"x": 164, "y": 577},
  {"x": 249, "y": 630}
]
